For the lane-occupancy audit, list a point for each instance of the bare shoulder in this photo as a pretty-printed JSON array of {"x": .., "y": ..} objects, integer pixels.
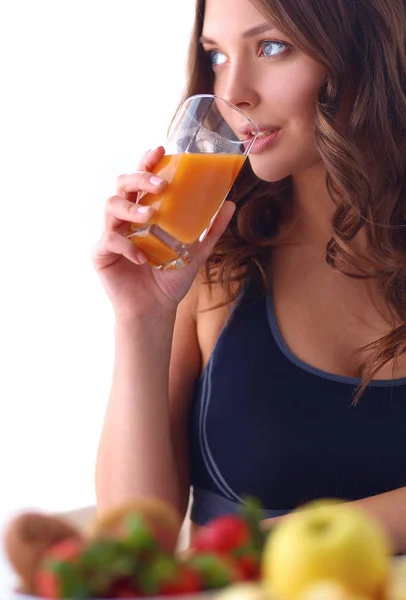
[
  {"x": 185, "y": 358},
  {"x": 213, "y": 310},
  {"x": 197, "y": 320},
  {"x": 200, "y": 318}
]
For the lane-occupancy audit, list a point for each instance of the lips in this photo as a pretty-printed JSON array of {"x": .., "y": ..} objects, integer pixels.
[
  {"x": 264, "y": 131},
  {"x": 264, "y": 141}
]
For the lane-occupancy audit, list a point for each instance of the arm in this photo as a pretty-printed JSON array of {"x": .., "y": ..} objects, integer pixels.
[
  {"x": 143, "y": 448},
  {"x": 388, "y": 508},
  {"x": 143, "y": 442}
]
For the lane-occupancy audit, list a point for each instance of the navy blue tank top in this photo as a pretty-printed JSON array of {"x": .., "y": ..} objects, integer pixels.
[{"x": 267, "y": 424}]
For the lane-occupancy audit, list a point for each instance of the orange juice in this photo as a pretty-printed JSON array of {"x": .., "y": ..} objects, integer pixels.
[{"x": 198, "y": 184}]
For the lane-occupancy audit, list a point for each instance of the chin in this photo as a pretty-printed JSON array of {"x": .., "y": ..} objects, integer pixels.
[
  {"x": 269, "y": 170},
  {"x": 269, "y": 173}
]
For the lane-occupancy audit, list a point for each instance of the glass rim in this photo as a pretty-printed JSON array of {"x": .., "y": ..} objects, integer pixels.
[{"x": 231, "y": 105}]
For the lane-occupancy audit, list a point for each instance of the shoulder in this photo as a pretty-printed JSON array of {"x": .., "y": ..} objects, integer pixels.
[
  {"x": 213, "y": 309},
  {"x": 201, "y": 316},
  {"x": 215, "y": 295}
]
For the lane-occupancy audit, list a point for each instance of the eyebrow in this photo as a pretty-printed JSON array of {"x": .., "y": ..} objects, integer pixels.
[{"x": 254, "y": 31}]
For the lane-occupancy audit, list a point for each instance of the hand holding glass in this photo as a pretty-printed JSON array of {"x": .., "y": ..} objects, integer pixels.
[{"x": 207, "y": 145}]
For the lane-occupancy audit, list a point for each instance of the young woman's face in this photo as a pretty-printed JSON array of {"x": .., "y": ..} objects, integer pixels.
[{"x": 276, "y": 84}]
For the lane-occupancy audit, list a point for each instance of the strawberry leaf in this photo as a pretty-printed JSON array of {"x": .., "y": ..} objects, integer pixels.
[
  {"x": 107, "y": 561},
  {"x": 72, "y": 583},
  {"x": 162, "y": 569},
  {"x": 248, "y": 550},
  {"x": 139, "y": 536},
  {"x": 252, "y": 512},
  {"x": 214, "y": 571}
]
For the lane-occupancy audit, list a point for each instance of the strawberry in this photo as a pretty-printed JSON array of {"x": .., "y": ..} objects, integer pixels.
[
  {"x": 57, "y": 576},
  {"x": 106, "y": 563},
  {"x": 248, "y": 563},
  {"x": 239, "y": 537},
  {"x": 47, "y": 584},
  {"x": 124, "y": 592},
  {"x": 223, "y": 534},
  {"x": 185, "y": 581},
  {"x": 165, "y": 576},
  {"x": 124, "y": 589}
]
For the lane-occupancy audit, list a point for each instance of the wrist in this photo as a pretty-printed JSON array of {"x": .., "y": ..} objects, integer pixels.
[
  {"x": 144, "y": 345},
  {"x": 149, "y": 334},
  {"x": 147, "y": 319}
]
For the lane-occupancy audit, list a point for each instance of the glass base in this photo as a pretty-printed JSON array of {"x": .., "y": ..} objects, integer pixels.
[{"x": 163, "y": 251}]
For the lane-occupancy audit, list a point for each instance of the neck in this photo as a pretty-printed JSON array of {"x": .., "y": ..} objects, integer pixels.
[
  {"x": 312, "y": 208},
  {"x": 309, "y": 222}
]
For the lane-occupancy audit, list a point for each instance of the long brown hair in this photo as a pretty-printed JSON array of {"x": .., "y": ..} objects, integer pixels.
[{"x": 366, "y": 38}]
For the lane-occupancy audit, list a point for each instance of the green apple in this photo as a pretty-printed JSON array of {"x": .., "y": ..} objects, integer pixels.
[{"x": 327, "y": 541}]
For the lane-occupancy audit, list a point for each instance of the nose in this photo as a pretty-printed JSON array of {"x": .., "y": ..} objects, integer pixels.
[{"x": 237, "y": 85}]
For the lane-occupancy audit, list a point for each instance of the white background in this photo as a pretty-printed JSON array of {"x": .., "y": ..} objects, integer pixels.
[{"x": 86, "y": 87}]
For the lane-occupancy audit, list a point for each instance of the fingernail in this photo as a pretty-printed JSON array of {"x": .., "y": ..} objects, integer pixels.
[
  {"x": 156, "y": 180},
  {"x": 142, "y": 259},
  {"x": 142, "y": 210}
]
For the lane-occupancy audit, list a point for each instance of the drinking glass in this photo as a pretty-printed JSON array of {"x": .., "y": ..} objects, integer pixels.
[{"x": 207, "y": 144}]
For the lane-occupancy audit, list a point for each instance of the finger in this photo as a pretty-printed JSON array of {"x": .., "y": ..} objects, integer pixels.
[
  {"x": 140, "y": 181},
  {"x": 119, "y": 210},
  {"x": 151, "y": 158},
  {"x": 112, "y": 247},
  {"x": 222, "y": 220},
  {"x": 216, "y": 231}
]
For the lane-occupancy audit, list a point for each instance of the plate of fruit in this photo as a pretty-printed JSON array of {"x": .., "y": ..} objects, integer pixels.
[
  {"x": 326, "y": 550},
  {"x": 130, "y": 552}
]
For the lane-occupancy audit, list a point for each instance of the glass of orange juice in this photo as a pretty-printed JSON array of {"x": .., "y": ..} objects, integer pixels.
[{"x": 208, "y": 142}]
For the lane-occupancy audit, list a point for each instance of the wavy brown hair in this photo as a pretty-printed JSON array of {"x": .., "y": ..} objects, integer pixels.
[{"x": 365, "y": 42}]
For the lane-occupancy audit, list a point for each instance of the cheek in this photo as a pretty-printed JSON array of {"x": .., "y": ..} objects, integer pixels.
[
  {"x": 295, "y": 98},
  {"x": 293, "y": 103}
]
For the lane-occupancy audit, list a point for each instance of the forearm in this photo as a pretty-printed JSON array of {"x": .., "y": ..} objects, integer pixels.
[
  {"x": 135, "y": 455},
  {"x": 388, "y": 508}
]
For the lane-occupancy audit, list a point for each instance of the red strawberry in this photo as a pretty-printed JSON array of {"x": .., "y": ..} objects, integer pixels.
[
  {"x": 48, "y": 581},
  {"x": 126, "y": 593},
  {"x": 185, "y": 581},
  {"x": 124, "y": 589},
  {"x": 47, "y": 584},
  {"x": 223, "y": 534},
  {"x": 249, "y": 565},
  {"x": 165, "y": 575}
]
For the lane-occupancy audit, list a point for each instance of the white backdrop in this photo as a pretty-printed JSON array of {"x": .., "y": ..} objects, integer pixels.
[{"x": 87, "y": 86}]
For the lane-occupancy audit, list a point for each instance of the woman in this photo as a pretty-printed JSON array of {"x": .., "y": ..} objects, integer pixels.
[{"x": 301, "y": 392}]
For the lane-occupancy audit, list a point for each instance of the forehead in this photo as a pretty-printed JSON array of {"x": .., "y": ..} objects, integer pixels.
[{"x": 231, "y": 16}]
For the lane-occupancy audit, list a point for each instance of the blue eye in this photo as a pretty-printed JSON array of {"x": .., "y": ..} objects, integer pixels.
[
  {"x": 217, "y": 58},
  {"x": 273, "y": 48}
]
